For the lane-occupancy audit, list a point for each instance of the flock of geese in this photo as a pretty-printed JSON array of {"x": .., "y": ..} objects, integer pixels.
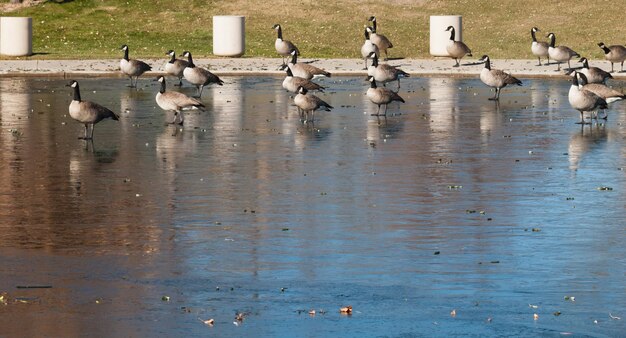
[{"x": 588, "y": 92}]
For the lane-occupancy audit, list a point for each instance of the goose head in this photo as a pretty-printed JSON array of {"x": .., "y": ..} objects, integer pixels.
[
  {"x": 160, "y": 78},
  {"x": 581, "y": 79},
  {"x": 276, "y": 27},
  {"x": 575, "y": 78},
  {"x": 369, "y": 29},
  {"x": 293, "y": 52},
  {"x": 601, "y": 44},
  {"x": 371, "y": 55},
  {"x": 583, "y": 60},
  {"x": 450, "y": 28},
  {"x": 124, "y": 47},
  {"x": 185, "y": 54},
  {"x": 302, "y": 90},
  {"x": 484, "y": 58},
  {"x": 372, "y": 18},
  {"x": 534, "y": 29},
  {"x": 170, "y": 53},
  {"x": 551, "y": 35},
  {"x": 72, "y": 84}
]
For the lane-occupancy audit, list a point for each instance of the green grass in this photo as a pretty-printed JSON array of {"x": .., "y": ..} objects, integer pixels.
[{"x": 326, "y": 29}]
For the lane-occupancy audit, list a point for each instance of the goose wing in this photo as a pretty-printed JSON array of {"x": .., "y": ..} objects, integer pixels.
[
  {"x": 313, "y": 70},
  {"x": 506, "y": 77},
  {"x": 97, "y": 112},
  {"x": 211, "y": 78},
  {"x": 307, "y": 84},
  {"x": 142, "y": 66},
  {"x": 181, "y": 100},
  {"x": 383, "y": 42},
  {"x": 603, "y": 91}
]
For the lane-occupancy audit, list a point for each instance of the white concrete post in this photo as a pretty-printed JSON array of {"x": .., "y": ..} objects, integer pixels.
[
  {"x": 229, "y": 35},
  {"x": 438, "y": 35},
  {"x": 16, "y": 36}
]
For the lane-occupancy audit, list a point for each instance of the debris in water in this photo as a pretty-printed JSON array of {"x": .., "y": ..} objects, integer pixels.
[
  {"x": 209, "y": 322},
  {"x": 165, "y": 298},
  {"x": 533, "y": 306},
  {"x": 437, "y": 253},
  {"x": 614, "y": 317},
  {"x": 605, "y": 188},
  {"x": 535, "y": 316},
  {"x": 346, "y": 310},
  {"x": 312, "y": 312},
  {"x": 570, "y": 298},
  {"x": 557, "y": 313},
  {"x": 240, "y": 316},
  {"x": 453, "y": 313}
]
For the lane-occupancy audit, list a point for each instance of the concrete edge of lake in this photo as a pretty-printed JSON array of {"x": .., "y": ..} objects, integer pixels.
[{"x": 270, "y": 66}]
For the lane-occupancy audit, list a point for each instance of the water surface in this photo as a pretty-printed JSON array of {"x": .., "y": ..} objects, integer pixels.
[{"x": 452, "y": 203}]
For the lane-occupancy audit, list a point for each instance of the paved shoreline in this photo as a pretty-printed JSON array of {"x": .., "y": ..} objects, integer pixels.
[{"x": 269, "y": 66}]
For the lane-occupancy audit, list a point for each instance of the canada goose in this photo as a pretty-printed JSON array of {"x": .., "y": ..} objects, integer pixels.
[
  {"x": 594, "y": 74},
  {"x": 132, "y": 67},
  {"x": 87, "y": 112},
  {"x": 304, "y": 70},
  {"x": 584, "y": 100},
  {"x": 614, "y": 54},
  {"x": 384, "y": 73},
  {"x": 560, "y": 53},
  {"x": 380, "y": 96},
  {"x": 199, "y": 76},
  {"x": 456, "y": 49},
  {"x": 496, "y": 78},
  {"x": 539, "y": 48},
  {"x": 292, "y": 83},
  {"x": 309, "y": 103},
  {"x": 283, "y": 47},
  {"x": 169, "y": 100},
  {"x": 379, "y": 40},
  {"x": 175, "y": 67},
  {"x": 368, "y": 47},
  {"x": 608, "y": 94}
]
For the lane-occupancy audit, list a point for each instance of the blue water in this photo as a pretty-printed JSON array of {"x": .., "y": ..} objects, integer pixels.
[{"x": 452, "y": 203}]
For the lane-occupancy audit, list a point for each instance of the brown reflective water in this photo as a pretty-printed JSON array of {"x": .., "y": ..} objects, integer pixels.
[{"x": 455, "y": 203}]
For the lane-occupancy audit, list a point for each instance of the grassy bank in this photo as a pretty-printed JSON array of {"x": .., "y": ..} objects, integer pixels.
[{"x": 331, "y": 29}]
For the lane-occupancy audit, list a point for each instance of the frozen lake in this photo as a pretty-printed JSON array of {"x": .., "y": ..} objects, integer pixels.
[{"x": 497, "y": 212}]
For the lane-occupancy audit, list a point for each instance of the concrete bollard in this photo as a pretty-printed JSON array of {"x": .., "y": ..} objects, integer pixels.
[
  {"x": 229, "y": 35},
  {"x": 16, "y": 36},
  {"x": 438, "y": 35}
]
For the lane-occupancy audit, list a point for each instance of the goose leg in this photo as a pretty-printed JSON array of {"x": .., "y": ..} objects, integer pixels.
[
  {"x": 568, "y": 65},
  {"x": 365, "y": 59},
  {"x": 539, "y": 59},
  {"x": 91, "y": 134},
  {"x": 622, "y": 69},
  {"x": 86, "y": 132},
  {"x": 457, "y": 63},
  {"x": 377, "y": 112},
  {"x": 558, "y": 66},
  {"x": 181, "y": 118},
  {"x": 495, "y": 96},
  {"x": 385, "y": 113},
  {"x": 180, "y": 82},
  {"x": 398, "y": 85}
]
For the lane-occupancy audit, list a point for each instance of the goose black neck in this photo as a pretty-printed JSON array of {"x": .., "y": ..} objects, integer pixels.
[
  {"x": 452, "y": 34},
  {"x": 375, "y": 61},
  {"x": 76, "y": 93},
  {"x": 373, "y": 83},
  {"x": 280, "y": 33},
  {"x": 162, "y": 90},
  {"x": 586, "y": 64},
  {"x": 294, "y": 58},
  {"x": 289, "y": 73},
  {"x": 532, "y": 33},
  {"x": 552, "y": 40},
  {"x": 606, "y": 49},
  {"x": 374, "y": 25},
  {"x": 574, "y": 80},
  {"x": 173, "y": 58},
  {"x": 488, "y": 64},
  {"x": 190, "y": 61},
  {"x": 126, "y": 54},
  {"x": 367, "y": 35}
]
